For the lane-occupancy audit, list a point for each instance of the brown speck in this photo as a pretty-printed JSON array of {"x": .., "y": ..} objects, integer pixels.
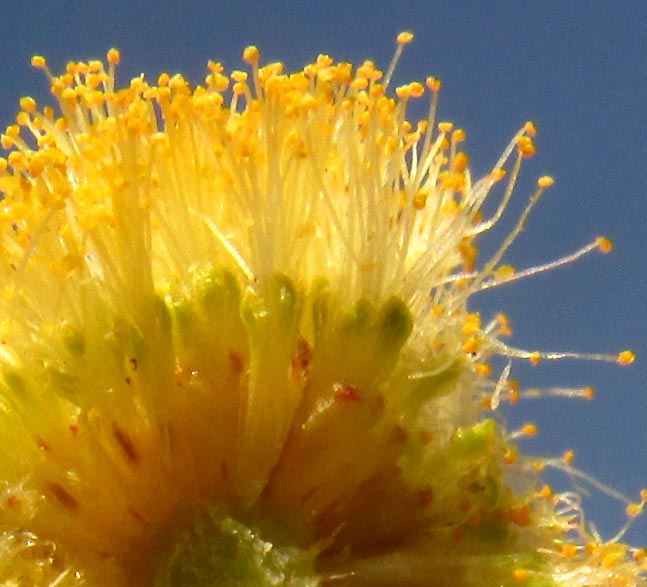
[
  {"x": 307, "y": 495},
  {"x": 133, "y": 363},
  {"x": 126, "y": 443},
  {"x": 64, "y": 497},
  {"x": 127, "y": 380},
  {"x": 345, "y": 392},
  {"x": 13, "y": 501},
  {"x": 43, "y": 444},
  {"x": 179, "y": 377},
  {"x": 237, "y": 363},
  {"x": 425, "y": 496},
  {"x": 135, "y": 514},
  {"x": 303, "y": 358},
  {"x": 425, "y": 436},
  {"x": 400, "y": 434},
  {"x": 224, "y": 470},
  {"x": 74, "y": 428}
]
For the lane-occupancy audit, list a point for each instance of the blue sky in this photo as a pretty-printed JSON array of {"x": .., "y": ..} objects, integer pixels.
[{"x": 577, "y": 69}]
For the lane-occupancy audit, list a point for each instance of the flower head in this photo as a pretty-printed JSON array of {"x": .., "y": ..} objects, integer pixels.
[{"x": 236, "y": 347}]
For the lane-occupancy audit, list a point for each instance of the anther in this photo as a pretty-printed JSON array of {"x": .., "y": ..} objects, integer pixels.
[
  {"x": 626, "y": 358},
  {"x": 405, "y": 37},
  {"x": 604, "y": 244}
]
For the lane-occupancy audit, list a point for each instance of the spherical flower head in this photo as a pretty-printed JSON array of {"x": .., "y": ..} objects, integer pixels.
[{"x": 236, "y": 346}]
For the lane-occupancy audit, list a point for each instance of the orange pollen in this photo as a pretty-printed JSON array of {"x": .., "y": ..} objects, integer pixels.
[
  {"x": 568, "y": 457},
  {"x": 626, "y": 358},
  {"x": 405, "y": 37},
  {"x": 605, "y": 245},
  {"x": 520, "y": 575}
]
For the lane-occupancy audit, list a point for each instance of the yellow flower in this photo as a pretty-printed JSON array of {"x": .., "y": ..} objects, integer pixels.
[{"x": 236, "y": 349}]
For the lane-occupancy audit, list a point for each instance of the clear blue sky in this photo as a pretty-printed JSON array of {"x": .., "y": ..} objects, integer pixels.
[{"x": 578, "y": 69}]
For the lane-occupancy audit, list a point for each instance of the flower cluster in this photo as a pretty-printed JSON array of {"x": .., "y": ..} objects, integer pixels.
[{"x": 236, "y": 347}]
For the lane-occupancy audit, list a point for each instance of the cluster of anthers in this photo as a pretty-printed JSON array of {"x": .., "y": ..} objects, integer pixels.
[{"x": 236, "y": 349}]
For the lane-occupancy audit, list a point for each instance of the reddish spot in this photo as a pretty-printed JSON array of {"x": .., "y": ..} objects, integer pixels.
[
  {"x": 43, "y": 444},
  {"x": 224, "y": 470},
  {"x": 13, "y": 501},
  {"x": 425, "y": 496},
  {"x": 345, "y": 392},
  {"x": 400, "y": 434},
  {"x": 303, "y": 358},
  {"x": 126, "y": 443},
  {"x": 307, "y": 495},
  {"x": 74, "y": 428},
  {"x": 64, "y": 497},
  {"x": 135, "y": 514},
  {"x": 465, "y": 506},
  {"x": 133, "y": 363},
  {"x": 520, "y": 516},
  {"x": 127, "y": 380},
  {"x": 425, "y": 436},
  {"x": 459, "y": 533},
  {"x": 237, "y": 362},
  {"x": 179, "y": 377}
]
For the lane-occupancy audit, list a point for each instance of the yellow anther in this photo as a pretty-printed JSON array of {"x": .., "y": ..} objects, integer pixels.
[
  {"x": 22, "y": 118},
  {"x": 484, "y": 369},
  {"x": 640, "y": 554},
  {"x": 28, "y": 104},
  {"x": 534, "y": 358},
  {"x": 568, "y": 457},
  {"x": 613, "y": 558},
  {"x": 412, "y": 90},
  {"x": 433, "y": 83},
  {"x": 520, "y": 575},
  {"x": 405, "y": 37},
  {"x": 504, "y": 272},
  {"x": 643, "y": 495},
  {"x": 420, "y": 199},
  {"x": 626, "y": 358},
  {"x": 545, "y": 181},
  {"x": 163, "y": 80},
  {"x": 605, "y": 245},
  {"x": 113, "y": 56},
  {"x": 13, "y": 130},
  {"x": 472, "y": 324},
  {"x": 460, "y": 162},
  {"x": 635, "y": 509},
  {"x": 95, "y": 65},
  {"x": 539, "y": 467},
  {"x": 39, "y": 62},
  {"x": 569, "y": 550},
  {"x": 529, "y": 430},
  {"x": 526, "y": 146},
  {"x": 472, "y": 345},
  {"x": 530, "y": 129},
  {"x": 458, "y": 136},
  {"x": 589, "y": 392},
  {"x": 417, "y": 89},
  {"x": 251, "y": 55},
  {"x": 238, "y": 76},
  {"x": 504, "y": 326},
  {"x": 498, "y": 174},
  {"x": 36, "y": 166},
  {"x": 546, "y": 492},
  {"x": 69, "y": 94},
  {"x": 403, "y": 92},
  {"x": 445, "y": 127}
]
